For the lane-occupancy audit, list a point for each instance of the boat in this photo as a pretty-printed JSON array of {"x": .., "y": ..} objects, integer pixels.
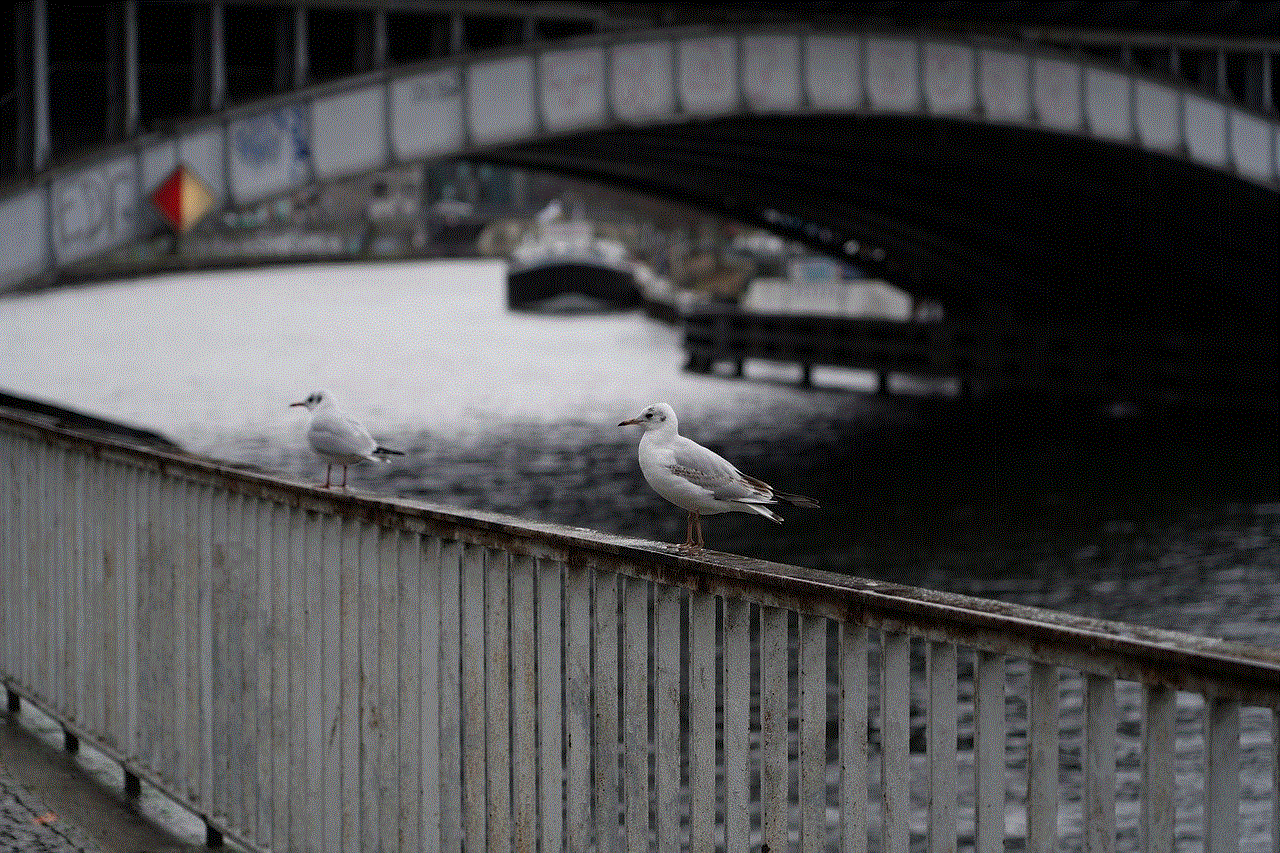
[{"x": 563, "y": 268}]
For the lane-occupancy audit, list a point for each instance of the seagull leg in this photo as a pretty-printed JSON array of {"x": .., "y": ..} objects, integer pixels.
[
  {"x": 344, "y": 476},
  {"x": 688, "y": 531},
  {"x": 328, "y": 470},
  {"x": 697, "y": 525}
]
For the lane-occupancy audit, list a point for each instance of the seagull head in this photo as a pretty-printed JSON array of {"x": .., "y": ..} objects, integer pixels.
[
  {"x": 314, "y": 401},
  {"x": 657, "y": 416}
]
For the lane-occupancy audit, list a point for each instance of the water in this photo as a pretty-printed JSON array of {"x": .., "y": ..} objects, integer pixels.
[{"x": 1161, "y": 518}]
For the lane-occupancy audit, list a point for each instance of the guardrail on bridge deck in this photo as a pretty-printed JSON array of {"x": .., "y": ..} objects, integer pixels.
[{"x": 319, "y": 670}]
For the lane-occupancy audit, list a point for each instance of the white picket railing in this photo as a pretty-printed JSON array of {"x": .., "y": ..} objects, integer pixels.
[{"x": 316, "y": 670}]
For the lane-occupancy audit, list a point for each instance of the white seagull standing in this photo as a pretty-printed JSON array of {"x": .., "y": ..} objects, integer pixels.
[
  {"x": 338, "y": 438},
  {"x": 698, "y": 480}
]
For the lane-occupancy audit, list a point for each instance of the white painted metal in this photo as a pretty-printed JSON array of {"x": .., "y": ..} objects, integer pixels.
[
  {"x": 813, "y": 733},
  {"x": 737, "y": 725},
  {"x": 1157, "y": 821},
  {"x": 702, "y": 723},
  {"x": 941, "y": 745},
  {"x": 774, "y": 716},
  {"x": 1222, "y": 775},
  {"x": 474, "y": 810},
  {"x": 498, "y": 700},
  {"x": 895, "y": 735},
  {"x": 635, "y": 714},
  {"x": 298, "y": 641},
  {"x": 1099, "y": 764},
  {"x": 666, "y": 717},
  {"x": 524, "y": 707},
  {"x": 577, "y": 708},
  {"x": 331, "y": 713},
  {"x": 550, "y": 705},
  {"x": 989, "y": 748},
  {"x": 350, "y": 687},
  {"x": 853, "y": 737},
  {"x": 304, "y": 675},
  {"x": 451, "y": 698},
  {"x": 604, "y": 691},
  {"x": 387, "y": 722},
  {"x": 421, "y": 564},
  {"x": 1042, "y": 759},
  {"x": 1275, "y": 779}
]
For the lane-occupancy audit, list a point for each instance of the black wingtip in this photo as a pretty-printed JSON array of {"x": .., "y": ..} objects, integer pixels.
[
  {"x": 387, "y": 451},
  {"x": 797, "y": 500}
]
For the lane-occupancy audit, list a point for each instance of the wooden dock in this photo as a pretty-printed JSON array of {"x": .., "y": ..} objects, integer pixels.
[{"x": 1085, "y": 360}]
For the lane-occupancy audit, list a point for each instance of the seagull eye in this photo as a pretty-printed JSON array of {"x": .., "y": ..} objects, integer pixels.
[{"x": 648, "y": 415}]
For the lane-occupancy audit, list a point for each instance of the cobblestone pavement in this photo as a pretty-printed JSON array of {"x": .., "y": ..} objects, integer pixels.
[
  {"x": 54, "y": 802},
  {"x": 27, "y": 825}
]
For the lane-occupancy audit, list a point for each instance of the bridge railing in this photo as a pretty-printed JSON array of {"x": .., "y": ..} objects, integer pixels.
[{"x": 319, "y": 670}]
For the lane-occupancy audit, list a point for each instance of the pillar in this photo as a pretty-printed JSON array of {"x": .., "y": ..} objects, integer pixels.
[
  {"x": 217, "y": 57},
  {"x": 122, "y": 70},
  {"x": 40, "y": 142},
  {"x": 301, "y": 50}
]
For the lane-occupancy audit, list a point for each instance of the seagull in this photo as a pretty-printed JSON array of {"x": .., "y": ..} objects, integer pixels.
[
  {"x": 698, "y": 480},
  {"x": 338, "y": 438}
]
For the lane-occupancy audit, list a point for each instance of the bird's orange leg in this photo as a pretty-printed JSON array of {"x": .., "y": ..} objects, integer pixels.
[
  {"x": 328, "y": 470},
  {"x": 697, "y": 525}
]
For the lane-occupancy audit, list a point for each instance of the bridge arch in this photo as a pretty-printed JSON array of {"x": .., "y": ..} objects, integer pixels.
[{"x": 519, "y": 106}]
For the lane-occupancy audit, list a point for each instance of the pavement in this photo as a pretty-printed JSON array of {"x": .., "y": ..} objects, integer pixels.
[{"x": 54, "y": 802}]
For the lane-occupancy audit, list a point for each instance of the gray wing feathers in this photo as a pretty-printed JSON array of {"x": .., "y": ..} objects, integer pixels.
[
  {"x": 341, "y": 435},
  {"x": 714, "y": 473}
]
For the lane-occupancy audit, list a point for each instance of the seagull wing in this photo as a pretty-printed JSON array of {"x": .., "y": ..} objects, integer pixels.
[
  {"x": 713, "y": 472},
  {"x": 340, "y": 435}
]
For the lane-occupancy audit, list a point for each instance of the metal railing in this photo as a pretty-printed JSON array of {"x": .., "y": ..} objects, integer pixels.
[{"x": 317, "y": 670}]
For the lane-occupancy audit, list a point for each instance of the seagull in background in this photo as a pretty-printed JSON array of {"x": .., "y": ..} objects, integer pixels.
[
  {"x": 698, "y": 480},
  {"x": 338, "y": 438}
]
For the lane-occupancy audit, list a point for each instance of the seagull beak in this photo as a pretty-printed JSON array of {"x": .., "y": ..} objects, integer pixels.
[
  {"x": 628, "y": 423},
  {"x": 291, "y": 405}
]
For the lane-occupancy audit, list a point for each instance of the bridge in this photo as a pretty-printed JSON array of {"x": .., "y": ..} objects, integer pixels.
[{"x": 1052, "y": 168}]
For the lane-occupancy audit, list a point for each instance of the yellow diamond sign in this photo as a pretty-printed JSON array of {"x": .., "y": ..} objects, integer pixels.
[{"x": 183, "y": 199}]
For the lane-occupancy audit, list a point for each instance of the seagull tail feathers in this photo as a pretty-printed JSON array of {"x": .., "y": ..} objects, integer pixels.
[
  {"x": 797, "y": 500},
  {"x": 758, "y": 508}
]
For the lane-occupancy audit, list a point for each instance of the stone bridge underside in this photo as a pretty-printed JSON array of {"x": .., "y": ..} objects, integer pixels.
[
  {"x": 983, "y": 218},
  {"x": 997, "y": 178}
]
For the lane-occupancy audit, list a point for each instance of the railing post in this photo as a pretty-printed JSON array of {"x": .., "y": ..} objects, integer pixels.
[
  {"x": 988, "y": 751},
  {"x": 1222, "y": 775},
  {"x": 1042, "y": 759},
  {"x": 1099, "y": 764}
]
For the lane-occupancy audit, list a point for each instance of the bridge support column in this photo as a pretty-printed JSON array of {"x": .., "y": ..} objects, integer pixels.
[
  {"x": 31, "y": 69},
  {"x": 208, "y": 60},
  {"x": 301, "y": 49},
  {"x": 122, "y": 70}
]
